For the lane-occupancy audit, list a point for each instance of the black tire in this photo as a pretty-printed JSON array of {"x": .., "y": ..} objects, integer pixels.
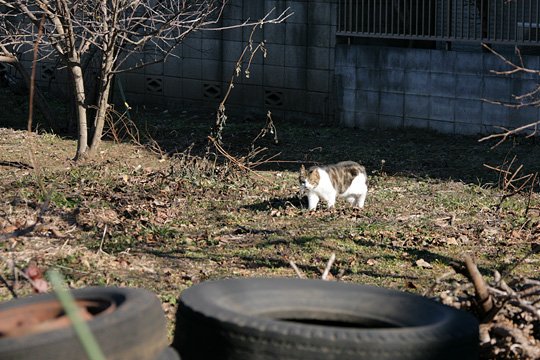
[
  {"x": 135, "y": 329},
  {"x": 246, "y": 319},
  {"x": 169, "y": 354}
]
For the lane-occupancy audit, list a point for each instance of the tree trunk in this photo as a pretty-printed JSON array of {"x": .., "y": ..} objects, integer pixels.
[
  {"x": 78, "y": 87},
  {"x": 102, "y": 103}
]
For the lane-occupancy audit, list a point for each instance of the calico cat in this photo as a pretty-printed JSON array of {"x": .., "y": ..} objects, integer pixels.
[{"x": 346, "y": 179}]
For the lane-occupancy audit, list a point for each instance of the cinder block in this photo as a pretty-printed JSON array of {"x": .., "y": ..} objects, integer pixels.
[
  {"x": 392, "y": 58},
  {"x": 295, "y": 34},
  {"x": 134, "y": 82},
  {"x": 391, "y": 104},
  {"x": 468, "y": 63},
  {"x": 233, "y": 33},
  {"x": 192, "y": 68},
  {"x": 348, "y": 77},
  {"x": 417, "y": 123},
  {"x": 522, "y": 86},
  {"x": 211, "y": 70},
  {"x": 232, "y": 50},
  {"x": 442, "y": 108},
  {"x": 417, "y": 106},
  {"x": 347, "y": 118},
  {"x": 530, "y": 62},
  {"x": 366, "y": 56},
  {"x": 275, "y": 55},
  {"x": 443, "y": 61},
  {"x": 522, "y": 116},
  {"x": 295, "y": 56},
  {"x": 253, "y": 9},
  {"x": 295, "y": 100},
  {"x": 468, "y": 111},
  {"x": 417, "y": 82},
  {"x": 497, "y": 88},
  {"x": 367, "y": 101},
  {"x": 300, "y": 10},
  {"x": 318, "y": 58},
  {"x": 467, "y": 129},
  {"x": 228, "y": 71},
  {"x": 274, "y": 34},
  {"x": 253, "y": 95},
  {"x": 348, "y": 102},
  {"x": 154, "y": 69},
  {"x": 368, "y": 79},
  {"x": 192, "y": 47},
  {"x": 366, "y": 120},
  {"x": 233, "y": 11},
  {"x": 172, "y": 87},
  {"x": 494, "y": 115},
  {"x": 317, "y": 103},
  {"x": 274, "y": 76},
  {"x": 211, "y": 49},
  {"x": 318, "y": 80},
  {"x": 469, "y": 86},
  {"x": 346, "y": 55},
  {"x": 418, "y": 59},
  {"x": 390, "y": 121},
  {"x": 442, "y": 85},
  {"x": 392, "y": 80},
  {"x": 255, "y": 75},
  {"x": 172, "y": 67},
  {"x": 295, "y": 78},
  {"x": 492, "y": 62},
  {"x": 319, "y": 12},
  {"x": 445, "y": 127},
  {"x": 192, "y": 89},
  {"x": 319, "y": 35}
]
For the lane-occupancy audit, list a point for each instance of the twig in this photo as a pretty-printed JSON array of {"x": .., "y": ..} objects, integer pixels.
[
  {"x": 328, "y": 266},
  {"x": 100, "y": 250},
  {"x": 299, "y": 272},
  {"x": 532, "y": 351},
  {"x": 482, "y": 292}
]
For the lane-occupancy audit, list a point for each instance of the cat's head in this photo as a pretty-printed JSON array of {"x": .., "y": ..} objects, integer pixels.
[{"x": 309, "y": 179}]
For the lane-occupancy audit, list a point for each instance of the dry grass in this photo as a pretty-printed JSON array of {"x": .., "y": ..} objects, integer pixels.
[{"x": 132, "y": 218}]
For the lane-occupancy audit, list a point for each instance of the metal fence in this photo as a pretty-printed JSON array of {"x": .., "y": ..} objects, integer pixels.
[{"x": 490, "y": 21}]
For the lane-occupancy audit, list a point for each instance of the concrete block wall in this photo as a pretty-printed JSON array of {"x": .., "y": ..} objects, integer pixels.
[
  {"x": 294, "y": 80},
  {"x": 445, "y": 91}
]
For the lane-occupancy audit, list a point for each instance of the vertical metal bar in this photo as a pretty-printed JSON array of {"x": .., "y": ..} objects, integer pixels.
[
  {"x": 398, "y": 17},
  {"x": 530, "y": 20},
  {"x": 423, "y": 17},
  {"x": 537, "y": 20},
  {"x": 417, "y": 13},
  {"x": 386, "y": 17},
  {"x": 523, "y": 21}
]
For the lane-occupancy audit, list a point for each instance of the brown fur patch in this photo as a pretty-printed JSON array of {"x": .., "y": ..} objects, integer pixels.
[{"x": 343, "y": 173}]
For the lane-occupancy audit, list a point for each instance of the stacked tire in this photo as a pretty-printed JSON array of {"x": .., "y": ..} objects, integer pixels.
[{"x": 128, "y": 323}]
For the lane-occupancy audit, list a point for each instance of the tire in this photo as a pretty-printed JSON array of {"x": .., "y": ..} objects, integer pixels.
[
  {"x": 244, "y": 319},
  {"x": 169, "y": 354},
  {"x": 132, "y": 327}
]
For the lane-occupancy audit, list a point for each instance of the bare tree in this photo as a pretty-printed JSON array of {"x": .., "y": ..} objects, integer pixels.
[{"x": 121, "y": 34}]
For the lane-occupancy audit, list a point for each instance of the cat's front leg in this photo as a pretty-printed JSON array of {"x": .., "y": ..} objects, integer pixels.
[
  {"x": 331, "y": 201},
  {"x": 313, "y": 200}
]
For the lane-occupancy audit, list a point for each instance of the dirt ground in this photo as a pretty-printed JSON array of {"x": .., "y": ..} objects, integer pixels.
[{"x": 166, "y": 221}]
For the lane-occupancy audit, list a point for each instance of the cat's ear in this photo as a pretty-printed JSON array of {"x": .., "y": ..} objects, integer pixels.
[{"x": 302, "y": 169}]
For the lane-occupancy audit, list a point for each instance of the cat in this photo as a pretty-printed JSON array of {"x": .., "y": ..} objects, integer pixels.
[{"x": 346, "y": 179}]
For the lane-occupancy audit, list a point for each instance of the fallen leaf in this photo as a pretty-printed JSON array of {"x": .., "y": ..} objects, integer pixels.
[
  {"x": 371, "y": 262},
  {"x": 423, "y": 264}
]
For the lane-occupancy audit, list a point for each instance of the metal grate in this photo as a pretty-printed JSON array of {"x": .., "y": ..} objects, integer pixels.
[{"x": 490, "y": 21}]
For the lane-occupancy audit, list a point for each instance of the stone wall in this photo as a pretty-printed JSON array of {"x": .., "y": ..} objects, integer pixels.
[
  {"x": 294, "y": 80},
  {"x": 446, "y": 91}
]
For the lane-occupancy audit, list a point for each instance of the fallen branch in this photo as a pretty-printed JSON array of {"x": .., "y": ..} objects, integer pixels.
[{"x": 482, "y": 293}]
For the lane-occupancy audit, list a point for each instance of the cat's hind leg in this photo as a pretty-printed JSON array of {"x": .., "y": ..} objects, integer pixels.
[
  {"x": 313, "y": 200},
  {"x": 361, "y": 199}
]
